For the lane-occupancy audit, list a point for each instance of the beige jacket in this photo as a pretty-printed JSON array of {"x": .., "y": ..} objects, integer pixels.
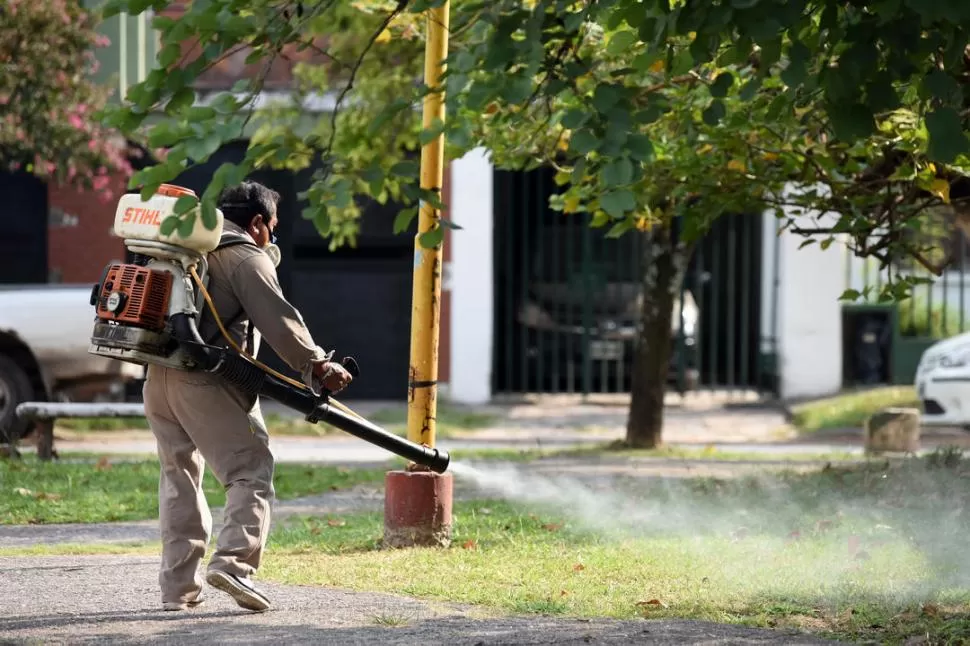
[{"x": 246, "y": 291}]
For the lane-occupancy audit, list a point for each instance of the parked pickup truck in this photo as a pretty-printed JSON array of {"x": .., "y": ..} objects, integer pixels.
[{"x": 45, "y": 331}]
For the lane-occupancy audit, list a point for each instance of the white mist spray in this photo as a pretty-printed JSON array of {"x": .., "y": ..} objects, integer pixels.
[{"x": 816, "y": 541}]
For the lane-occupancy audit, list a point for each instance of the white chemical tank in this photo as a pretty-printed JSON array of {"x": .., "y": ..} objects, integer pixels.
[{"x": 138, "y": 219}]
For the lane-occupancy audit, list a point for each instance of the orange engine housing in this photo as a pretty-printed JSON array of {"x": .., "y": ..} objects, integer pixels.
[{"x": 135, "y": 295}]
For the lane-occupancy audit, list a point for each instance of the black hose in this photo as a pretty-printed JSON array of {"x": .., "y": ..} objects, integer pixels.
[{"x": 251, "y": 379}]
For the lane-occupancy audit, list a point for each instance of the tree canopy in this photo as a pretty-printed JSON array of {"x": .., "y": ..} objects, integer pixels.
[
  {"x": 649, "y": 109},
  {"x": 49, "y": 102}
]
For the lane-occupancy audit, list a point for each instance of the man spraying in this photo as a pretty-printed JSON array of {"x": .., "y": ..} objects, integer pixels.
[{"x": 199, "y": 418}]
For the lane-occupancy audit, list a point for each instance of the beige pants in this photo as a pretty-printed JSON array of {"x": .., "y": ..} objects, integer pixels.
[{"x": 197, "y": 419}]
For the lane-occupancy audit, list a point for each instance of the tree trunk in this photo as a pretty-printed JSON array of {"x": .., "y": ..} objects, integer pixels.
[{"x": 661, "y": 282}]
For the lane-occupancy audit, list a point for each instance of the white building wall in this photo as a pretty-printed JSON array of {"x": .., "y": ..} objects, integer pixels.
[
  {"x": 809, "y": 313},
  {"x": 469, "y": 277}
]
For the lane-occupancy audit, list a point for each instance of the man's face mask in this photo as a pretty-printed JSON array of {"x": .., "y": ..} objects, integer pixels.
[{"x": 273, "y": 252}]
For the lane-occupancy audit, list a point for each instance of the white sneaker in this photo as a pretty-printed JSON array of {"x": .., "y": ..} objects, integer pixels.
[{"x": 239, "y": 588}]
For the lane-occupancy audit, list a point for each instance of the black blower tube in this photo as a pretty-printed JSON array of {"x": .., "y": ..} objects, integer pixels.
[{"x": 243, "y": 374}]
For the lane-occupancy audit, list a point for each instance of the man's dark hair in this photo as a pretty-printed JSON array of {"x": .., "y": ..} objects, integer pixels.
[{"x": 242, "y": 202}]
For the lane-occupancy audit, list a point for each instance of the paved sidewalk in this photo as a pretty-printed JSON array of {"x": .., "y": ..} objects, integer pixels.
[{"x": 112, "y": 600}]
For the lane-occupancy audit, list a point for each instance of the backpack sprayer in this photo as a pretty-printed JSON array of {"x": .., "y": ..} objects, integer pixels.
[{"x": 148, "y": 312}]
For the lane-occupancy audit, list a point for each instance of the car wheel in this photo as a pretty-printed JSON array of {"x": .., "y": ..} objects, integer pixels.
[{"x": 15, "y": 388}]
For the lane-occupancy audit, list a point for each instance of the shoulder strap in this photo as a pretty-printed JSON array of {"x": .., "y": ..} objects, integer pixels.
[{"x": 231, "y": 239}]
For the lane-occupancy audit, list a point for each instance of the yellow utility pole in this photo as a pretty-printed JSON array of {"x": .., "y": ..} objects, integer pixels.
[{"x": 426, "y": 293}]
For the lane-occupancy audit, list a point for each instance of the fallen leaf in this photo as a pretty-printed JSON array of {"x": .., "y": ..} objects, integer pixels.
[
  {"x": 653, "y": 603},
  {"x": 103, "y": 464},
  {"x": 552, "y": 527},
  {"x": 563, "y": 593},
  {"x": 854, "y": 544},
  {"x": 579, "y": 567},
  {"x": 43, "y": 495},
  {"x": 469, "y": 545},
  {"x": 931, "y": 609},
  {"x": 336, "y": 522}
]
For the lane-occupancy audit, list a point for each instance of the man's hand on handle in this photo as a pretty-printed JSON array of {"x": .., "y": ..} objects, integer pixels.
[{"x": 334, "y": 376}]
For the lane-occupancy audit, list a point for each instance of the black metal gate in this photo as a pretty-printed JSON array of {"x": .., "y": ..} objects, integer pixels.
[{"x": 567, "y": 301}]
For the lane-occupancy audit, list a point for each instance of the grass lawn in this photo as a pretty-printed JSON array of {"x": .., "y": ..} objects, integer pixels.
[
  {"x": 452, "y": 420},
  {"x": 104, "y": 491},
  {"x": 861, "y": 552},
  {"x": 873, "y": 551},
  {"x": 852, "y": 409}
]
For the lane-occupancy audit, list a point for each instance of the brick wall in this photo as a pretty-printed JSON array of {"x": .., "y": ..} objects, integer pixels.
[{"x": 79, "y": 243}]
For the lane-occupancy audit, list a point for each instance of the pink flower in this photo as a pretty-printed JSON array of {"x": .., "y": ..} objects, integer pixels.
[
  {"x": 50, "y": 167},
  {"x": 92, "y": 145},
  {"x": 101, "y": 182},
  {"x": 101, "y": 40},
  {"x": 4, "y": 99},
  {"x": 76, "y": 122}
]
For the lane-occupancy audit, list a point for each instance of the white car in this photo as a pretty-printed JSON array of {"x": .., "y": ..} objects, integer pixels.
[
  {"x": 45, "y": 331},
  {"x": 943, "y": 382}
]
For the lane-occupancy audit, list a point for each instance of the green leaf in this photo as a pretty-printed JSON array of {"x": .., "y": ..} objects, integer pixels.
[
  {"x": 617, "y": 173},
  {"x": 719, "y": 88},
  {"x": 209, "y": 219},
  {"x": 851, "y": 122},
  {"x": 947, "y": 138},
  {"x": 605, "y": 97},
  {"x": 644, "y": 61},
  {"x": 849, "y": 295},
  {"x": 583, "y": 142},
  {"x": 640, "y": 147},
  {"x": 939, "y": 85},
  {"x": 169, "y": 225},
  {"x": 185, "y": 204},
  {"x": 182, "y": 99},
  {"x": 407, "y": 168},
  {"x": 750, "y": 89},
  {"x": 618, "y": 202},
  {"x": 426, "y": 136},
  {"x": 404, "y": 218},
  {"x": 621, "y": 42},
  {"x": 620, "y": 228},
  {"x": 187, "y": 225},
  {"x": 574, "y": 118},
  {"x": 169, "y": 54},
  {"x": 374, "y": 177},
  {"x": 714, "y": 112},
  {"x": 600, "y": 219},
  {"x": 431, "y": 239}
]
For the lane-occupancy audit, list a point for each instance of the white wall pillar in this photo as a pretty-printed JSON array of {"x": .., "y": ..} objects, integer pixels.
[
  {"x": 470, "y": 279},
  {"x": 809, "y": 311}
]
